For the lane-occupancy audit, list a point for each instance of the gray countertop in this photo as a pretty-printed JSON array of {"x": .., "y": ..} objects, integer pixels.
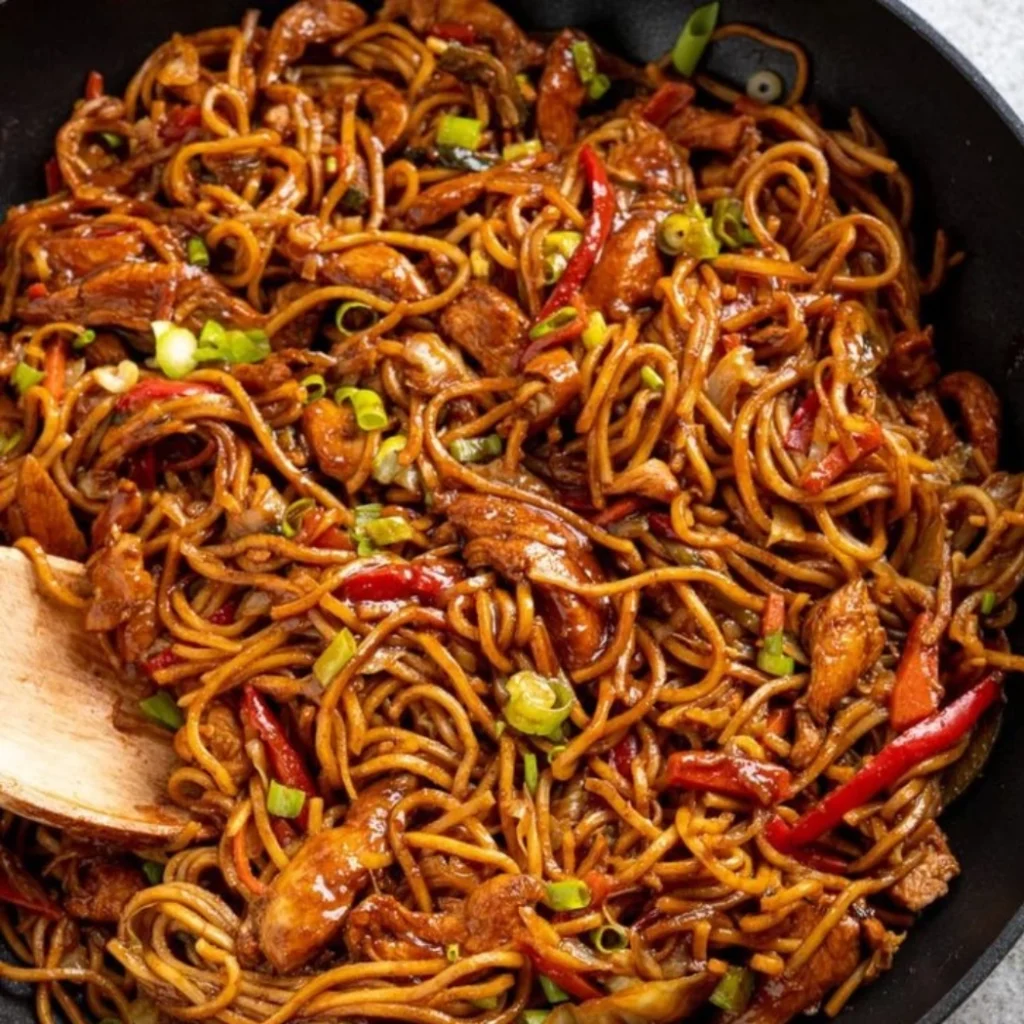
[{"x": 990, "y": 33}]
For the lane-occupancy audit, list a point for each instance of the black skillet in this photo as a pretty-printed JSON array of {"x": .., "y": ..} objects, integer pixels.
[{"x": 964, "y": 150}]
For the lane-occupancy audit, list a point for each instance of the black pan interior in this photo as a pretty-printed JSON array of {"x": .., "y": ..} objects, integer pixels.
[{"x": 965, "y": 153}]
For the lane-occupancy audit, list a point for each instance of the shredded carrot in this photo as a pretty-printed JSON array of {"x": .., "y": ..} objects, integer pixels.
[{"x": 242, "y": 865}]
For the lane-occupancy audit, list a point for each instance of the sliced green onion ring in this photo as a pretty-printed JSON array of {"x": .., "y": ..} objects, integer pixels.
[
  {"x": 560, "y": 318},
  {"x": 733, "y": 992},
  {"x": 652, "y": 379},
  {"x": 10, "y": 441},
  {"x": 352, "y": 317},
  {"x": 552, "y": 992},
  {"x": 775, "y": 664},
  {"x": 563, "y": 242},
  {"x": 175, "y": 349},
  {"x": 198, "y": 254},
  {"x": 339, "y": 652},
  {"x": 25, "y": 377},
  {"x": 368, "y": 407},
  {"x": 112, "y": 140},
  {"x": 386, "y": 466},
  {"x": 534, "y": 1016},
  {"x": 585, "y": 59},
  {"x": 537, "y": 706},
  {"x": 765, "y": 86},
  {"x": 696, "y": 35},
  {"x": 293, "y": 514},
  {"x": 530, "y": 774},
  {"x": 162, "y": 709},
  {"x": 598, "y": 86},
  {"x": 609, "y": 938},
  {"x": 554, "y": 264},
  {"x": 315, "y": 385},
  {"x": 518, "y": 150},
  {"x": 988, "y": 602},
  {"x": 688, "y": 233},
  {"x": 83, "y": 340},
  {"x": 284, "y": 801},
  {"x": 461, "y": 132},
  {"x": 476, "y": 449},
  {"x": 728, "y": 224},
  {"x": 568, "y": 894},
  {"x": 388, "y": 530},
  {"x": 452, "y": 952}
]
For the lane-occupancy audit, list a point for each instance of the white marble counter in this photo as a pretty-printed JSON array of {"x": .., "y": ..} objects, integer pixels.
[{"x": 990, "y": 33}]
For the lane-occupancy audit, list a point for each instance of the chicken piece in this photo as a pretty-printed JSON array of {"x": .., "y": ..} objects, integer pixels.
[
  {"x": 445, "y": 199},
  {"x": 929, "y": 881},
  {"x": 334, "y": 436},
  {"x": 696, "y": 128},
  {"x": 45, "y": 512},
  {"x": 559, "y": 369},
  {"x": 520, "y": 478},
  {"x": 133, "y": 295},
  {"x": 489, "y": 326},
  {"x": 487, "y": 20},
  {"x": 74, "y": 254},
  {"x": 123, "y": 595},
  {"x": 780, "y": 999},
  {"x": 120, "y": 514},
  {"x": 519, "y": 540},
  {"x": 628, "y": 269},
  {"x": 377, "y": 268},
  {"x": 301, "y": 25},
  {"x": 651, "y": 479},
  {"x": 478, "y": 67},
  {"x": 432, "y": 365},
  {"x": 808, "y": 741},
  {"x": 382, "y": 928},
  {"x": 650, "y": 160},
  {"x": 844, "y": 638},
  {"x": 306, "y": 905},
  {"x": 560, "y": 93},
  {"x": 925, "y": 412},
  {"x": 980, "y": 410},
  {"x": 103, "y": 888}
]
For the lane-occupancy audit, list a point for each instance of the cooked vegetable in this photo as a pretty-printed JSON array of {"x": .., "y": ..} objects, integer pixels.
[
  {"x": 537, "y": 705},
  {"x": 352, "y": 316},
  {"x": 765, "y": 86},
  {"x": 568, "y": 894},
  {"x": 162, "y": 709},
  {"x": 459, "y": 132},
  {"x": 284, "y": 801},
  {"x": 175, "y": 349},
  {"x": 733, "y": 992},
  {"x": 694, "y": 38},
  {"x": 476, "y": 449},
  {"x": 198, "y": 254},
  {"x": 339, "y": 652},
  {"x": 688, "y": 233}
]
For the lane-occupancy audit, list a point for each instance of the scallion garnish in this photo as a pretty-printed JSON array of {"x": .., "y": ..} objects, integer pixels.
[
  {"x": 368, "y": 406},
  {"x": 652, "y": 379},
  {"x": 112, "y": 140},
  {"x": 518, "y": 150},
  {"x": 728, "y": 224},
  {"x": 559, "y": 319},
  {"x": 610, "y": 938},
  {"x": 568, "y": 894},
  {"x": 386, "y": 466},
  {"x": 534, "y": 1016},
  {"x": 339, "y": 652},
  {"x": 218, "y": 343},
  {"x": 772, "y": 658},
  {"x": 564, "y": 243},
  {"x": 331, "y": 166},
  {"x": 198, "y": 254},
  {"x": 292, "y": 518},
  {"x": 598, "y": 86},
  {"x": 476, "y": 449},
  {"x": 688, "y": 233},
  {"x": 153, "y": 871},
  {"x": 388, "y": 530},
  {"x": 25, "y": 377},
  {"x": 536, "y": 704},
  {"x": 733, "y": 992},
  {"x": 8, "y": 442},
  {"x": 452, "y": 952},
  {"x": 162, "y": 709},
  {"x": 585, "y": 60},
  {"x": 552, "y": 992},
  {"x": 988, "y": 602},
  {"x": 175, "y": 349},
  {"x": 530, "y": 775},
  {"x": 694, "y": 38},
  {"x": 351, "y": 317},
  {"x": 83, "y": 340},
  {"x": 460, "y": 132},
  {"x": 596, "y": 330},
  {"x": 315, "y": 386},
  {"x": 354, "y": 200},
  {"x": 554, "y": 265},
  {"x": 284, "y": 801}
]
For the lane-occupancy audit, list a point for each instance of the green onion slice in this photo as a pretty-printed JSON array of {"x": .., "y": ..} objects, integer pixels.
[
  {"x": 198, "y": 254},
  {"x": 694, "y": 38},
  {"x": 461, "y": 132},
  {"x": 559, "y": 319},
  {"x": 534, "y": 1016},
  {"x": 530, "y": 775},
  {"x": 563, "y": 242},
  {"x": 452, "y": 952},
  {"x": 568, "y": 894},
  {"x": 25, "y": 377},
  {"x": 315, "y": 385},
  {"x": 218, "y": 343},
  {"x": 352, "y": 317},
  {"x": 292, "y": 518},
  {"x": 988, "y": 602},
  {"x": 340, "y": 651},
  {"x": 552, "y": 992},
  {"x": 386, "y": 467},
  {"x": 554, "y": 265},
  {"x": 476, "y": 449},
  {"x": 585, "y": 60},
  {"x": 537, "y": 705},
  {"x": 388, "y": 530},
  {"x": 112, "y": 140},
  {"x": 175, "y": 349},
  {"x": 733, "y": 992},
  {"x": 518, "y": 150},
  {"x": 354, "y": 200},
  {"x": 368, "y": 407},
  {"x": 652, "y": 379},
  {"x": 688, "y": 233},
  {"x": 774, "y": 642},
  {"x": 331, "y": 165},
  {"x": 83, "y": 340},
  {"x": 154, "y": 871},
  {"x": 728, "y": 224},
  {"x": 284, "y": 801},
  {"x": 596, "y": 330},
  {"x": 775, "y": 664},
  {"x": 610, "y": 938},
  {"x": 9, "y": 442},
  {"x": 162, "y": 709},
  {"x": 598, "y": 86},
  {"x": 485, "y": 1003}
]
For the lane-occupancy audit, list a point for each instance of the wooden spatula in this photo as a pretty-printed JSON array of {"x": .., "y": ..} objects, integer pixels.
[{"x": 63, "y": 762}]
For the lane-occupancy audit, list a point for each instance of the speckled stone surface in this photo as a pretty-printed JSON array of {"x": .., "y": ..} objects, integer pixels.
[{"x": 990, "y": 33}]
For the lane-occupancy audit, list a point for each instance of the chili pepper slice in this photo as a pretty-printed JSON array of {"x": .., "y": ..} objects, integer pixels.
[
  {"x": 836, "y": 462},
  {"x": 668, "y": 100},
  {"x": 179, "y": 121},
  {"x": 661, "y": 525},
  {"x": 565, "y": 978},
  {"x": 926, "y": 739},
  {"x": 713, "y": 770},
  {"x": 394, "y": 582},
  {"x": 624, "y": 753},
  {"x": 163, "y": 659},
  {"x": 455, "y": 32},
  {"x": 916, "y": 693},
  {"x": 598, "y": 226},
  {"x": 601, "y": 886},
  {"x": 801, "y": 426},
  {"x": 154, "y": 389},
  {"x": 17, "y": 886},
  {"x": 285, "y": 760},
  {"x": 224, "y": 615}
]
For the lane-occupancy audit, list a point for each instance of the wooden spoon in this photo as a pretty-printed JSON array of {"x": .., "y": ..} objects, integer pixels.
[{"x": 63, "y": 762}]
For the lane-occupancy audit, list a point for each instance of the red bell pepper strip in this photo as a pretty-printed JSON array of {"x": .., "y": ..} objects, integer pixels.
[
  {"x": 224, "y": 615},
  {"x": 54, "y": 179},
  {"x": 310, "y": 532},
  {"x": 917, "y": 692},
  {"x": 801, "y": 426},
  {"x": 601, "y": 886},
  {"x": 285, "y": 761},
  {"x": 661, "y": 525},
  {"x": 154, "y": 389},
  {"x": 18, "y": 887},
  {"x": 570, "y": 332},
  {"x": 624, "y": 754},
  {"x": 712, "y": 770},
  {"x": 773, "y": 619},
  {"x": 455, "y": 32},
  {"x": 617, "y": 511},
  {"x": 180, "y": 121},
  {"x": 162, "y": 659},
  {"x": 598, "y": 226},
  {"x": 93, "y": 85},
  {"x": 820, "y": 861},
  {"x": 394, "y": 581},
  {"x": 667, "y": 101},
  {"x": 922, "y": 741},
  {"x": 564, "y": 977},
  {"x": 836, "y": 462},
  {"x": 142, "y": 469},
  {"x": 37, "y": 290}
]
